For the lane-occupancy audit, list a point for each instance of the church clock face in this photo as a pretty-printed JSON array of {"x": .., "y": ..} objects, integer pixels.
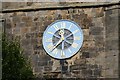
[{"x": 62, "y": 39}]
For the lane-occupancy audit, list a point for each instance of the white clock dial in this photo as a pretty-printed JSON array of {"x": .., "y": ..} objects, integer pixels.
[{"x": 62, "y": 39}]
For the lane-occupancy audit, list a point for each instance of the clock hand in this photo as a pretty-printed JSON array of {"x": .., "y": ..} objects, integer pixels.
[
  {"x": 57, "y": 44},
  {"x": 62, "y": 45},
  {"x": 68, "y": 35},
  {"x": 56, "y": 36},
  {"x": 68, "y": 41},
  {"x": 71, "y": 33},
  {"x": 62, "y": 52},
  {"x": 61, "y": 33}
]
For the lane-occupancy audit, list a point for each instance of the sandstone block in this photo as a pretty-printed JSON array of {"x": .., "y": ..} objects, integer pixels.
[
  {"x": 26, "y": 18},
  {"x": 24, "y": 30},
  {"x": 96, "y": 30},
  {"x": 112, "y": 45}
]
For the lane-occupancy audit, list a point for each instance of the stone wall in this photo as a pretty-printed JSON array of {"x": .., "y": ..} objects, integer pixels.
[
  {"x": 112, "y": 41},
  {"x": 98, "y": 57}
]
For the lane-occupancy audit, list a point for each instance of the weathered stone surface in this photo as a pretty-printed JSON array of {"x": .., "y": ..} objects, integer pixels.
[
  {"x": 16, "y": 30},
  {"x": 89, "y": 38},
  {"x": 85, "y": 55},
  {"x": 93, "y": 52},
  {"x": 96, "y": 30},
  {"x": 8, "y": 25},
  {"x": 89, "y": 44},
  {"x": 97, "y": 12},
  {"x": 86, "y": 32},
  {"x": 20, "y": 14},
  {"x": 87, "y": 73},
  {"x": 24, "y": 30},
  {"x": 100, "y": 47},
  {"x": 82, "y": 19},
  {"x": 33, "y": 41},
  {"x": 37, "y": 47},
  {"x": 112, "y": 45},
  {"x": 97, "y": 73},
  {"x": 16, "y": 19},
  {"x": 25, "y": 42},
  {"x": 80, "y": 61},
  {"x": 34, "y": 35},
  {"x": 21, "y": 24},
  {"x": 26, "y": 18},
  {"x": 27, "y": 53},
  {"x": 98, "y": 22},
  {"x": 56, "y": 65},
  {"x": 107, "y": 13},
  {"x": 34, "y": 29},
  {"x": 112, "y": 33}
]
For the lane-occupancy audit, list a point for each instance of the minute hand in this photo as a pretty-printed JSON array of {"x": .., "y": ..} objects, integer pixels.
[
  {"x": 71, "y": 34},
  {"x": 68, "y": 35},
  {"x": 61, "y": 39}
]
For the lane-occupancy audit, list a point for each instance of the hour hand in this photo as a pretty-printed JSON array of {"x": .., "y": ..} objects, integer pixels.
[{"x": 57, "y": 44}]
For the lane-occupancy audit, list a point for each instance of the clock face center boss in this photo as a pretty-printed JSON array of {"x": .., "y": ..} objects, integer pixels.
[{"x": 62, "y": 39}]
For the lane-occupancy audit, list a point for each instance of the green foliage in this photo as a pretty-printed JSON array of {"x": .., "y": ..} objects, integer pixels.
[{"x": 14, "y": 65}]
